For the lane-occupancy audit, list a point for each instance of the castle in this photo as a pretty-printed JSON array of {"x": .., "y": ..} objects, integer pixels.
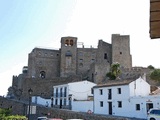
[{"x": 48, "y": 67}]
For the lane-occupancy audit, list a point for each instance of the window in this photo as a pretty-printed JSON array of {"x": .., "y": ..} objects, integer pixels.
[
  {"x": 80, "y": 60},
  {"x": 119, "y": 104},
  {"x": 66, "y": 42},
  {"x": 109, "y": 94},
  {"x": 119, "y": 90},
  {"x": 101, "y": 92},
  {"x": 71, "y": 42},
  {"x": 153, "y": 111},
  {"x": 92, "y": 77},
  {"x": 65, "y": 91},
  {"x": 92, "y": 91},
  {"x": 61, "y": 92},
  {"x": 68, "y": 54},
  {"x": 101, "y": 103},
  {"x": 56, "y": 92},
  {"x": 42, "y": 74},
  {"x": 137, "y": 107},
  {"x": 105, "y": 55},
  {"x": 56, "y": 102},
  {"x": 92, "y": 60}
]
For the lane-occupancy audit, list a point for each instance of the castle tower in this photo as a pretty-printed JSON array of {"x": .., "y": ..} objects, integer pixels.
[
  {"x": 68, "y": 64},
  {"x": 121, "y": 50}
]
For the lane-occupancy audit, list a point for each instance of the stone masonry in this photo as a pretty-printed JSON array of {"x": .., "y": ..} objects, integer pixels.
[{"x": 48, "y": 67}]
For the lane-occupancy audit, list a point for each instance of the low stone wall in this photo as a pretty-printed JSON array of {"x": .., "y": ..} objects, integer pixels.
[{"x": 20, "y": 108}]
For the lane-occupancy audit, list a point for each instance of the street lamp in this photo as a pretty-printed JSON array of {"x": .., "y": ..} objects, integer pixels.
[{"x": 29, "y": 92}]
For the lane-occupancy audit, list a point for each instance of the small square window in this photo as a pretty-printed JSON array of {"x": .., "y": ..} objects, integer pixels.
[
  {"x": 92, "y": 60},
  {"x": 119, "y": 90},
  {"x": 80, "y": 60},
  {"x": 119, "y": 104},
  {"x": 101, "y": 92},
  {"x": 137, "y": 107},
  {"x": 101, "y": 103}
]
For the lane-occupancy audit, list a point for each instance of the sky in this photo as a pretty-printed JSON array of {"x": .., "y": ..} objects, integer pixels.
[{"x": 26, "y": 24}]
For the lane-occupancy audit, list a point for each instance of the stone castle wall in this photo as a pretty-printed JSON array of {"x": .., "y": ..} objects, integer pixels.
[
  {"x": 44, "y": 60},
  {"x": 121, "y": 50},
  {"x": 85, "y": 57},
  {"x": 44, "y": 87},
  {"x": 104, "y": 53},
  {"x": 47, "y": 67},
  {"x": 68, "y": 65}
]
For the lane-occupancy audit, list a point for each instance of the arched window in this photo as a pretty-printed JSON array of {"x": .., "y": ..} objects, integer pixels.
[
  {"x": 66, "y": 42},
  {"x": 71, "y": 42},
  {"x": 42, "y": 74}
]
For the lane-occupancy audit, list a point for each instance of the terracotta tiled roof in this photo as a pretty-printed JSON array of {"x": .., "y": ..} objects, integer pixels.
[
  {"x": 156, "y": 92},
  {"x": 114, "y": 83}
]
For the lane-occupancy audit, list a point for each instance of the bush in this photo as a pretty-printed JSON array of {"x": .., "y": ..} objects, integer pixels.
[
  {"x": 111, "y": 76},
  {"x": 155, "y": 75},
  {"x": 5, "y": 114}
]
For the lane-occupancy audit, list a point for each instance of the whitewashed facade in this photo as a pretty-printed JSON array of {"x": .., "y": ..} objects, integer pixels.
[
  {"x": 64, "y": 95},
  {"x": 124, "y": 98},
  {"x": 41, "y": 101},
  {"x": 82, "y": 106}
]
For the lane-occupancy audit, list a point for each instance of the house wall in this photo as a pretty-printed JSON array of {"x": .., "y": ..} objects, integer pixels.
[
  {"x": 129, "y": 106},
  {"x": 80, "y": 90},
  {"x": 63, "y": 97},
  {"x": 104, "y": 98},
  {"x": 77, "y": 106},
  {"x": 139, "y": 87},
  {"x": 41, "y": 101},
  {"x": 135, "y": 99},
  {"x": 76, "y": 90}
]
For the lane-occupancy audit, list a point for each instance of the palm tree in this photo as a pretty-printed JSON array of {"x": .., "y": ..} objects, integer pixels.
[
  {"x": 115, "y": 69},
  {"x": 114, "y": 72}
]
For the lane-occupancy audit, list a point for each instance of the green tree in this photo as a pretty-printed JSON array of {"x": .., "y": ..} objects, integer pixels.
[
  {"x": 114, "y": 71},
  {"x": 150, "y": 67},
  {"x": 155, "y": 75},
  {"x": 4, "y": 112}
]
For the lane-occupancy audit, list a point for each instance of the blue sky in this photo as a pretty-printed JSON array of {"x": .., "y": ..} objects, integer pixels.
[{"x": 26, "y": 24}]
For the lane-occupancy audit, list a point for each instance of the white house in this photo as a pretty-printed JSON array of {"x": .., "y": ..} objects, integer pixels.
[
  {"x": 71, "y": 95},
  {"x": 124, "y": 98},
  {"x": 41, "y": 101}
]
